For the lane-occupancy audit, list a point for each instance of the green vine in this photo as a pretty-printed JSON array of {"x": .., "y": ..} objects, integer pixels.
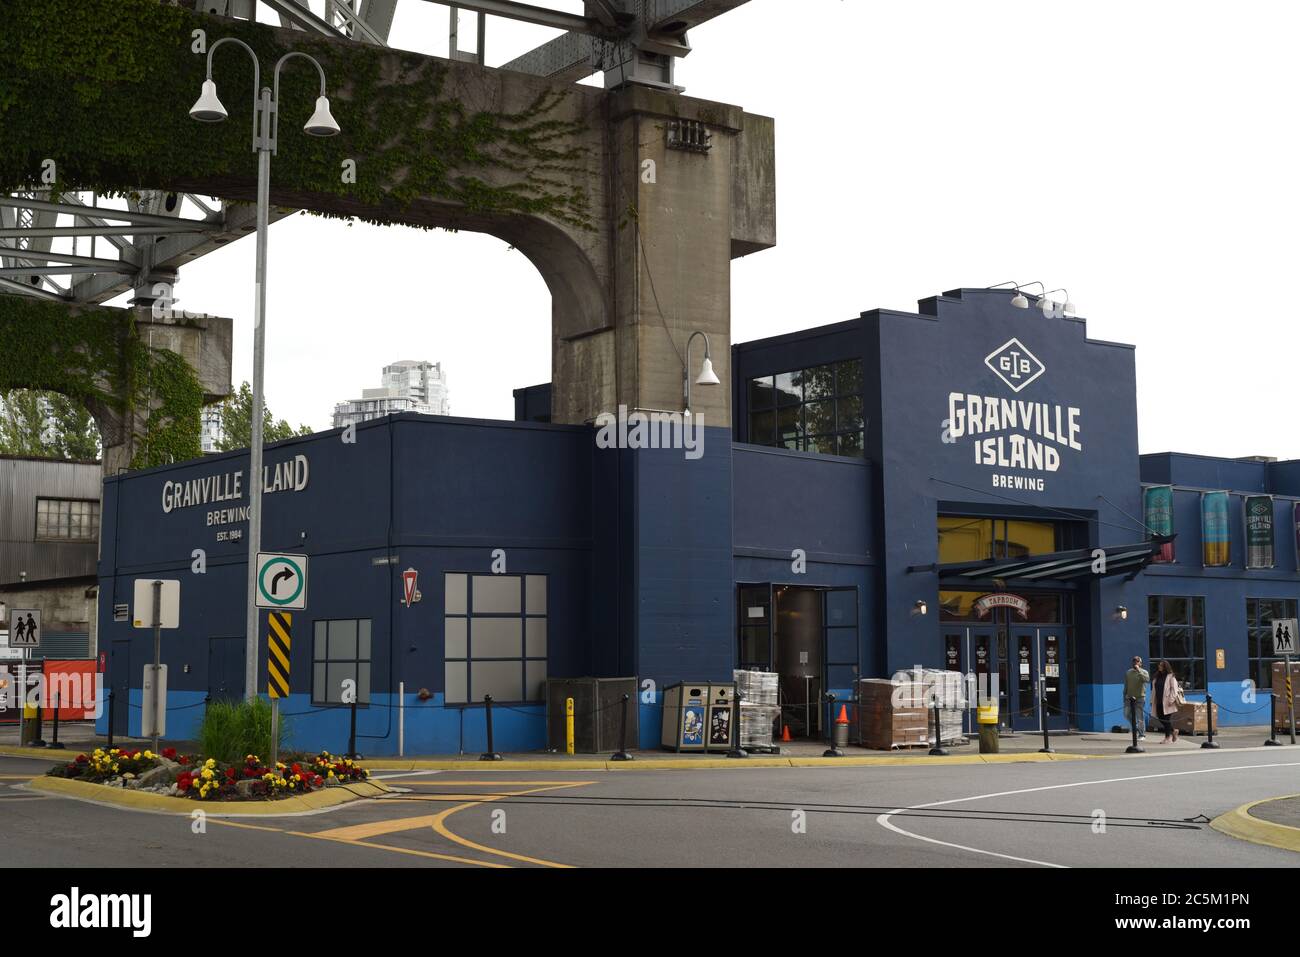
[
  {"x": 104, "y": 87},
  {"x": 96, "y": 356}
]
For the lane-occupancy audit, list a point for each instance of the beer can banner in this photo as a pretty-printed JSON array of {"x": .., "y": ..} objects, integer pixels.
[
  {"x": 1216, "y": 542},
  {"x": 1158, "y": 514},
  {"x": 1259, "y": 531}
]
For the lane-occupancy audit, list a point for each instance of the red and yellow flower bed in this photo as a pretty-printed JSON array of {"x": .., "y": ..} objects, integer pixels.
[{"x": 206, "y": 779}]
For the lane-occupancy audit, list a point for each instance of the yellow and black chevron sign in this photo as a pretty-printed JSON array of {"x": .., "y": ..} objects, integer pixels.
[{"x": 279, "y": 626}]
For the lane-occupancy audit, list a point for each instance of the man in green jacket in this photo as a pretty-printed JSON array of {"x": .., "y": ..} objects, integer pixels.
[{"x": 1135, "y": 686}]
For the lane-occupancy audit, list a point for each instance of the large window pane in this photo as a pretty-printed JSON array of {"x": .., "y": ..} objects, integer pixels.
[
  {"x": 818, "y": 383},
  {"x": 848, "y": 375},
  {"x": 850, "y": 412},
  {"x": 789, "y": 391},
  {"x": 762, "y": 395},
  {"x": 535, "y": 638},
  {"x": 496, "y": 638},
  {"x": 503, "y": 680},
  {"x": 455, "y": 594},
  {"x": 762, "y": 428},
  {"x": 343, "y": 640},
  {"x": 819, "y": 417},
  {"x": 456, "y": 638},
  {"x": 1175, "y": 611},
  {"x": 496, "y": 594},
  {"x": 536, "y": 595}
]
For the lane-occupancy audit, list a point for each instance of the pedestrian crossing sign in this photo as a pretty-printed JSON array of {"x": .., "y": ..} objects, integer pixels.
[{"x": 1284, "y": 637}]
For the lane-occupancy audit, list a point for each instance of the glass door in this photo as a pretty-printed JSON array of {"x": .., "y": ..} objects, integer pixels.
[{"x": 1024, "y": 680}]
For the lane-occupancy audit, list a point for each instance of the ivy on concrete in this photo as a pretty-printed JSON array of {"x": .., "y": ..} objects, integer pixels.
[
  {"x": 96, "y": 356},
  {"x": 104, "y": 87}
]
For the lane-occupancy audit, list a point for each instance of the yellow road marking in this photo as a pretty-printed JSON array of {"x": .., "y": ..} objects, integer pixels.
[
  {"x": 492, "y": 784},
  {"x": 357, "y": 832},
  {"x": 247, "y": 827},
  {"x": 400, "y": 850}
]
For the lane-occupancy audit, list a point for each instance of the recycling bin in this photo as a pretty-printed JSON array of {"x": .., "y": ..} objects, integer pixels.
[
  {"x": 685, "y": 714},
  {"x": 722, "y": 708}
]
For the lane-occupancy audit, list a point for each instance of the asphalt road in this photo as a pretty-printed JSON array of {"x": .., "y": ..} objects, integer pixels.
[{"x": 1024, "y": 815}]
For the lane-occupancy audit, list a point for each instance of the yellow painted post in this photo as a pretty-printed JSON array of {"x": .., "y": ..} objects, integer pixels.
[{"x": 568, "y": 725}]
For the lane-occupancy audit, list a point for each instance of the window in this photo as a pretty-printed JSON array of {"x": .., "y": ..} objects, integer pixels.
[
  {"x": 1260, "y": 615},
  {"x": 340, "y": 652},
  {"x": 67, "y": 520},
  {"x": 495, "y": 637},
  {"x": 963, "y": 539},
  {"x": 1176, "y": 632},
  {"x": 812, "y": 410}
]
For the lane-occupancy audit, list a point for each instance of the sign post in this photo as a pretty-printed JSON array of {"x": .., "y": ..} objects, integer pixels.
[
  {"x": 279, "y": 633},
  {"x": 1284, "y": 645},
  {"x": 163, "y": 599}
]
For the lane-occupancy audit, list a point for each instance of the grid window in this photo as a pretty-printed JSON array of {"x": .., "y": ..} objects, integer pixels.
[
  {"x": 67, "y": 520},
  {"x": 340, "y": 654},
  {"x": 494, "y": 637},
  {"x": 813, "y": 410},
  {"x": 1176, "y": 633},
  {"x": 1260, "y": 615}
]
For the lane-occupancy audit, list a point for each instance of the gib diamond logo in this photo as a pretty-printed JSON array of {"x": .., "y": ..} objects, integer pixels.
[{"x": 1014, "y": 364}]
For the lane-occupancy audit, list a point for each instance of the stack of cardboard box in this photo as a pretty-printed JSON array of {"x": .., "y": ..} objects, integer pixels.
[{"x": 898, "y": 713}]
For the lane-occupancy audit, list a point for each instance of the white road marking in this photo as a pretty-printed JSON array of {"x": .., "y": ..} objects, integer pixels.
[{"x": 883, "y": 819}]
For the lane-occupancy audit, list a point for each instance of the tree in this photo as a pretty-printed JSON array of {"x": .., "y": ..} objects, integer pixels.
[
  {"x": 237, "y": 423},
  {"x": 46, "y": 425}
]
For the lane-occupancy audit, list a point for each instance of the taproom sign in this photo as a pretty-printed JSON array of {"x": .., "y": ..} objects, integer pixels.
[{"x": 1019, "y": 440}]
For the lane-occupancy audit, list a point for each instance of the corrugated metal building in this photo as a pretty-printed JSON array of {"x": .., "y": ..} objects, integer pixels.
[{"x": 49, "y": 543}]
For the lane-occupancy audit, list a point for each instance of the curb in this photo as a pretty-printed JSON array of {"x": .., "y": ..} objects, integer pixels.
[
  {"x": 148, "y": 801},
  {"x": 57, "y": 755},
  {"x": 1239, "y": 823},
  {"x": 713, "y": 764}
]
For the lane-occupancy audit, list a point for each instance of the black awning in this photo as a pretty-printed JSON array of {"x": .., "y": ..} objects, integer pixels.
[{"x": 1058, "y": 566}]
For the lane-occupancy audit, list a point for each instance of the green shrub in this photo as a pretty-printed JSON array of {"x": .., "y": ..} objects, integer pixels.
[{"x": 231, "y": 730}]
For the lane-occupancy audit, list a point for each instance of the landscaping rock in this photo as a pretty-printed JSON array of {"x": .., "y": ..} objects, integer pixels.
[
  {"x": 165, "y": 773},
  {"x": 245, "y": 788}
]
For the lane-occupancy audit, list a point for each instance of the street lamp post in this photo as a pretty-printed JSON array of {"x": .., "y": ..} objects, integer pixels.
[{"x": 266, "y": 124}]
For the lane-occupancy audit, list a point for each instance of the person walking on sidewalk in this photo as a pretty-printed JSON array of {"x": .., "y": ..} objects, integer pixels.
[
  {"x": 1168, "y": 696},
  {"x": 1136, "y": 680}
]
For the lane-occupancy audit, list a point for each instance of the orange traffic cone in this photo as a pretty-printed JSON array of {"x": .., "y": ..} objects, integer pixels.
[
  {"x": 844, "y": 715},
  {"x": 785, "y": 733}
]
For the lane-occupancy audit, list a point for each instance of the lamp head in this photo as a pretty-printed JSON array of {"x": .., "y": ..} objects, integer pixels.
[
  {"x": 707, "y": 375},
  {"x": 208, "y": 109},
  {"x": 322, "y": 122},
  {"x": 1019, "y": 300}
]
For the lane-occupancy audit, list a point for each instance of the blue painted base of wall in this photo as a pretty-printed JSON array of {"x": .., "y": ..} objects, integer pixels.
[{"x": 1101, "y": 707}]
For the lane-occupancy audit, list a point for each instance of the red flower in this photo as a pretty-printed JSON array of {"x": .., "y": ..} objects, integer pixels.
[
  {"x": 169, "y": 754},
  {"x": 230, "y": 774}
]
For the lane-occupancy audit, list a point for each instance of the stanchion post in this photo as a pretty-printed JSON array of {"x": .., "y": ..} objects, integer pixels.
[
  {"x": 938, "y": 749},
  {"x": 1272, "y": 741},
  {"x": 55, "y": 742},
  {"x": 39, "y": 741},
  {"x": 736, "y": 750},
  {"x": 622, "y": 753},
  {"x": 1133, "y": 724},
  {"x": 352, "y": 730},
  {"x": 112, "y": 700},
  {"x": 491, "y": 753},
  {"x": 831, "y": 751},
  {"x": 1042, "y": 710},
  {"x": 1209, "y": 741}
]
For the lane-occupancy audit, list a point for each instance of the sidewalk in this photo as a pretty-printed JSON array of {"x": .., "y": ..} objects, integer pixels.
[{"x": 1021, "y": 747}]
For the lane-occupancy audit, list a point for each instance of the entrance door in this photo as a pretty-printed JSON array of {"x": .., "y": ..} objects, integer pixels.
[
  {"x": 797, "y": 654},
  {"x": 119, "y": 673},
  {"x": 225, "y": 669},
  {"x": 1024, "y": 665}
]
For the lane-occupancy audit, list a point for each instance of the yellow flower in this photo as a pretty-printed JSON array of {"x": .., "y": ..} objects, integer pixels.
[{"x": 210, "y": 763}]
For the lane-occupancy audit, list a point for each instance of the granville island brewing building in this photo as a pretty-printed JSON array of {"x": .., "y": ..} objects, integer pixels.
[{"x": 925, "y": 488}]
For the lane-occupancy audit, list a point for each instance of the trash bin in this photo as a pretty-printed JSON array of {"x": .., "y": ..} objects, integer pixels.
[
  {"x": 987, "y": 716},
  {"x": 722, "y": 705},
  {"x": 685, "y": 717}
]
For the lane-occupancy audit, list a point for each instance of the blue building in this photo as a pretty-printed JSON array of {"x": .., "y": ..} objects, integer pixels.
[{"x": 958, "y": 487}]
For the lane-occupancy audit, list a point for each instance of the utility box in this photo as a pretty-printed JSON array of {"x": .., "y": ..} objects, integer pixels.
[
  {"x": 698, "y": 717},
  {"x": 597, "y": 713}
]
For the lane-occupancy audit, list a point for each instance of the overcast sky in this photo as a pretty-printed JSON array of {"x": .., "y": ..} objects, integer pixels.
[{"x": 1141, "y": 155}]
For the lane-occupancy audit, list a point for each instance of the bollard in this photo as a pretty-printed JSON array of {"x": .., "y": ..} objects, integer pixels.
[
  {"x": 736, "y": 750},
  {"x": 622, "y": 753},
  {"x": 351, "y": 732},
  {"x": 1133, "y": 724},
  {"x": 1209, "y": 723},
  {"x": 1047, "y": 744},
  {"x": 938, "y": 750},
  {"x": 490, "y": 754},
  {"x": 1272, "y": 741},
  {"x": 55, "y": 743},
  {"x": 568, "y": 727},
  {"x": 831, "y": 751},
  {"x": 112, "y": 697}
]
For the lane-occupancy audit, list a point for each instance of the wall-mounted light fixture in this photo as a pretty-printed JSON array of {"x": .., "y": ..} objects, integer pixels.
[
  {"x": 920, "y": 608},
  {"x": 707, "y": 375},
  {"x": 1049, "y": 305},
  {"x": 1121, "y": 613}
]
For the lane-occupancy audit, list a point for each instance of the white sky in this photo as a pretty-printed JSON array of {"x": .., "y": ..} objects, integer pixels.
[{"x": 1140, "y": 154}]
